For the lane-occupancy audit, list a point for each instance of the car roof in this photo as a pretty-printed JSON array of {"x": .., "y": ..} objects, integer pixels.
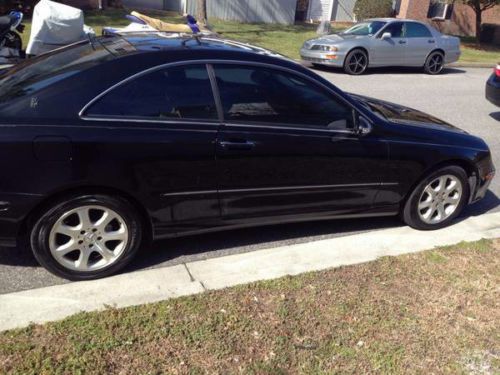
[
  {"x": 394, "y": 20},
  {"x": 158, "y": 41}
]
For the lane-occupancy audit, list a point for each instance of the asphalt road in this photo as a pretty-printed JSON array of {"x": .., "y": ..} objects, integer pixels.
[{"x": 456, "y": 96}]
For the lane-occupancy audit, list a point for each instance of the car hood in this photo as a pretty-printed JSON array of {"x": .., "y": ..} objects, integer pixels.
[
  {"x": 404, "y": 115},
  {"x": 336, "y": 39}
]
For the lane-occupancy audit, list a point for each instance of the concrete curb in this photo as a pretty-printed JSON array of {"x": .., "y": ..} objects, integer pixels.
[{"x": 57, "y": 302}]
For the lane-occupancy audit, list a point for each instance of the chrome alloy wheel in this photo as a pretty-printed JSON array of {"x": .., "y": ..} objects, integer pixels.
[
  {"x": 357, "y": 63},
  {"x": 440, "y": 199},
  {"x": 436, "y": 63},
  {"x": 88, "y": 238}
]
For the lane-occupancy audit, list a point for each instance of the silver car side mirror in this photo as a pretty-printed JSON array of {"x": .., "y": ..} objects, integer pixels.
[{"x": 386, "y": 36}]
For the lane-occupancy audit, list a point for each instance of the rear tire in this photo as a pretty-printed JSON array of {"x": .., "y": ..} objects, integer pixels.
[
  {"x": 86, "y": 237},
  {"x": 434, "y": 63},
  {"x": 438, "y": 199}
]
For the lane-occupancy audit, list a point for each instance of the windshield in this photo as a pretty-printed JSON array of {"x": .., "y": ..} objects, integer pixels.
[{"x": 365, "y": 28}]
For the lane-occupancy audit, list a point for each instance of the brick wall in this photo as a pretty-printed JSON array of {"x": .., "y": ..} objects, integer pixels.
[{"x": 462, "y": 21}]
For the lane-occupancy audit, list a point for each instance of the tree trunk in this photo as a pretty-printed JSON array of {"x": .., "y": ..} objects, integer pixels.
[
  {"x": 202, "y": 12},
  {"x": 478, "y": 25}
]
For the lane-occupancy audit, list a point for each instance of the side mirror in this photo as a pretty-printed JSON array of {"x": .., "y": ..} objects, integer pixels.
[
  {"x": 386, "y": 36},
  {"x": 364, "y": 126}
]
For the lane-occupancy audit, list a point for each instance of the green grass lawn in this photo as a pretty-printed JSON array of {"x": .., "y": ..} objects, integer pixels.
[
  {"x": 285, "y": 39},
  {"x": 432, "y": 312}
]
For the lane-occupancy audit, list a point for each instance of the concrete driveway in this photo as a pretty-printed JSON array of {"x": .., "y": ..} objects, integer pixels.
[{"x": 456, "y": 96}]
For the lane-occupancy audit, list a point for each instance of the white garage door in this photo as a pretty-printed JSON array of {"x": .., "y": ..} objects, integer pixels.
[{"x": 319, "y": 10}]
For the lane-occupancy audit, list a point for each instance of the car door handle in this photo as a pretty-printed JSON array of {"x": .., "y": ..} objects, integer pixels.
[
  {"x": 431, "y": 41},
  {"x": 402, "y": 42},
  {"x": 243, "y": 145}
]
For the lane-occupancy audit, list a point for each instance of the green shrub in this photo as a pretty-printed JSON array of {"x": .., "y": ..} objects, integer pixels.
[{"x": 373, "y": 8}]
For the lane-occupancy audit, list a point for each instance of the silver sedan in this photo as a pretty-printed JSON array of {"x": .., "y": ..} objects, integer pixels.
[{"x": 384, "y": 42}]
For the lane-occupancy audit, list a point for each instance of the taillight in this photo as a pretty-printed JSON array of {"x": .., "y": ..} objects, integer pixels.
[{"x": 497, "y": 71}]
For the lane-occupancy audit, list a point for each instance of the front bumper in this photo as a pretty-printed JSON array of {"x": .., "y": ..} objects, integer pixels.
[
  {"x": 493, "y": 90},
  {"x": 320, "y": 57},
  {"x": 452, "y": 56},
  {"x": 481, "y": 182}
]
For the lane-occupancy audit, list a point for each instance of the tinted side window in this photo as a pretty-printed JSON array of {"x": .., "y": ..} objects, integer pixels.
[
  {"x": 35, "y": 74},
  {"x": 181, "y": 92},
  {"x": 395, "y": 28},
  {"x": 256, "y": 94},
  {"x": 417, "y": 30}
]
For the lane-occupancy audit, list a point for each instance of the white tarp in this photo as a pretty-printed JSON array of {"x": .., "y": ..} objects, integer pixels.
[{"x": 55, "y": 25}]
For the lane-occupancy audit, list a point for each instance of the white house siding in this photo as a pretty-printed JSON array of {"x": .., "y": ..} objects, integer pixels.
[
  {"x": 318, "y": 9},
  {"x": 266, "y": 11},
  {"x": 343, "y": 10},
  {"x": 143, "y": 4}
]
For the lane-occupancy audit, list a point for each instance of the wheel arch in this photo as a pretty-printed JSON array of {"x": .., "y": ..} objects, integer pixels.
[
  {"x": 364, "y": 49},
  {"x": 465, "y": 164},
  {"x": 440, "y": 50},
  {"x": 46, "y": 203}
]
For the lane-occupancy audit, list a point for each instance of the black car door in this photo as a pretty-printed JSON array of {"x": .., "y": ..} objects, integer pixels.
[
  {"x": 162, "y": 126},
  {"x": 288, "y": 147}
]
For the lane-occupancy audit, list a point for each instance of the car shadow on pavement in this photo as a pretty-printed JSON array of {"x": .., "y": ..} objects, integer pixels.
[
  {"x": 489, "y": 203},
  {"x": 237, "y": 241},
  {"x": 495, "y": 115},
  {"x": 205, "y": 246},
  {"x": 185, "y": 249},
  {"x": 386, "y": 70}
]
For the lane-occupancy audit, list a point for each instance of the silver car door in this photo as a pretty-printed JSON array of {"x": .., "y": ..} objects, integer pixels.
[
  {"x": 420, "y": 42},
  {"x": 389, "y": 51}
]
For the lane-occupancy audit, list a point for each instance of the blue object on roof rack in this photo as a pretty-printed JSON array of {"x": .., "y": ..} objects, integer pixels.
[{"x": 193, "y": 24}]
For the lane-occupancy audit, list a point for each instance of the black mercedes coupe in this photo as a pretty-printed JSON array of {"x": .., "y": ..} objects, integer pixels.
[{"x": 114, "y": 141}]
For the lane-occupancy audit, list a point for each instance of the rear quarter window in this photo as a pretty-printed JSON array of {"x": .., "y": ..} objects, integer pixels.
[{"x": 33, "y": 75}]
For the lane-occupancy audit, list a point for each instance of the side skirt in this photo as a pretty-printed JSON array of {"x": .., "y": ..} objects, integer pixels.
[{"x": 164, "y": 232}]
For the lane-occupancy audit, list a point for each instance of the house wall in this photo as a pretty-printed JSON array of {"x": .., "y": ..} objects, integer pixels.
[
  {"x": 258, "y": 11},
  {"x": 318, "y": 10},
  {"x": 144, "y": 4},
  {"x": 82, "y": 4},
  {"x": 462, "y": 21},
  {"x": 343, "y": 11}
]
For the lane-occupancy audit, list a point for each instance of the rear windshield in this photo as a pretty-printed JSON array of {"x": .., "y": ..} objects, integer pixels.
[{"x": 37, "y": 73}]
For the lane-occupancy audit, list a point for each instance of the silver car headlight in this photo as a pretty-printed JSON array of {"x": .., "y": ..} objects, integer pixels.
[{"x": 319, "y": 47}]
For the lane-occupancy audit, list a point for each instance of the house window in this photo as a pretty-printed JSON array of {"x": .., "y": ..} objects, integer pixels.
[{"x": 440, "y": 10}]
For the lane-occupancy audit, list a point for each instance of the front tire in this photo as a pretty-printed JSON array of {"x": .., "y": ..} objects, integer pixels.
[
  {"x": 86, "y": 237},
  {"x": 356, "y": 62},
  {"x": 438, "y": 199},
  {"x": 434, "y": 63}
]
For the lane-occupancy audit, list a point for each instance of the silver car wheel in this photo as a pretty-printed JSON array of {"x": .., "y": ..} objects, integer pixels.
[
  {"x": 440, "y": 199},
  {"x": 357, "y": 63},
  {"x": 436, "y": 63},
  {"x": 88, "y": 238}
]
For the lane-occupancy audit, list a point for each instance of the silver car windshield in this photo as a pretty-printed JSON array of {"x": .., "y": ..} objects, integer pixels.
[{"x": 365, "y": 28}]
